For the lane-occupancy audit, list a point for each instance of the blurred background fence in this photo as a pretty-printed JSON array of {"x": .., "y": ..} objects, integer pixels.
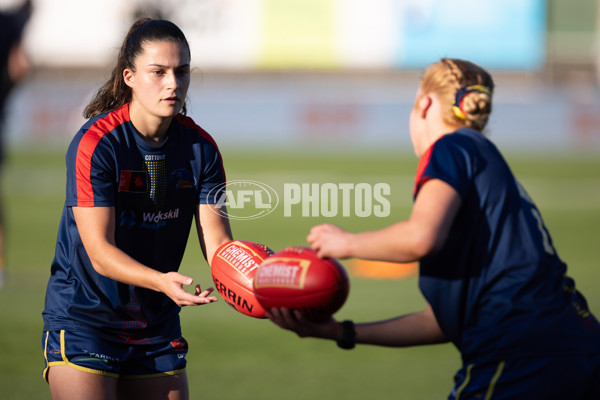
[{"x": 340, "y": 73}]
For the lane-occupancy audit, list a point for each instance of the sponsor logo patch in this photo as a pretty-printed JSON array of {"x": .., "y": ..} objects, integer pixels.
[{"x": 133, "y": 181}]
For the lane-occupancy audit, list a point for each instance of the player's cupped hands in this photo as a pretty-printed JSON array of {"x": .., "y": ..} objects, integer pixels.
[
  {"x": 296, "y": 321},
  {"x": 329, "y": 240},
  {"x": 173, "y": 287}
]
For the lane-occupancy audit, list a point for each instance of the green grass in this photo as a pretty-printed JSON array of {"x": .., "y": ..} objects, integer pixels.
[{"x": 237, "y": 357}]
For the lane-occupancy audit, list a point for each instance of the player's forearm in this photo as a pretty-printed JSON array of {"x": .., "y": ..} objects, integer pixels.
[
  {"x": 96, "y": 227},
  {"x": 213, "y": 229},
  {"x": 408, "y": 330},
  {"x": 400, "y": 242},
  {"x": 424, "y": 233},
  {"x": 113, "y": 263}
]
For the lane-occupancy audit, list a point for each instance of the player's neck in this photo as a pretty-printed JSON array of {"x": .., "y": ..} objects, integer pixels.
[{"x": 152, "y": 129}]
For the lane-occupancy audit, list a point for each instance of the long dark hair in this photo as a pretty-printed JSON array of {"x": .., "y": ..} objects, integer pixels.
[{"x": 115, "y": 93}]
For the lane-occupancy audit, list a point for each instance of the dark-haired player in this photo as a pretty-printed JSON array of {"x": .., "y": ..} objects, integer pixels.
[{"x": 138, "y": 173}]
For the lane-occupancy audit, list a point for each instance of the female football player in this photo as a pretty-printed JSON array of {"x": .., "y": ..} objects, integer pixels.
[
  {"x": 494, "y": 284},
  {"x": 138, "y": 172}
]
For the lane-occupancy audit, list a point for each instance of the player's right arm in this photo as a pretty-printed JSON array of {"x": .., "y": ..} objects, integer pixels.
[
  {"x": 420, "y": 328},
  {"x": 96, "y": 227},
  {"x": 423, "y": 233}
]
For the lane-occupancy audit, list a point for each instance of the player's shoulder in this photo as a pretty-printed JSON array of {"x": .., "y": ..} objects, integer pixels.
[
  {"x": 458, "y": 151},
  {"x": 467, "y": 142},
  {"x": 102, "y": 124},
  {"x": 96, "y": 129},
  {"x": 460, "y": 137},
  {"x": 195, "y": 131}
]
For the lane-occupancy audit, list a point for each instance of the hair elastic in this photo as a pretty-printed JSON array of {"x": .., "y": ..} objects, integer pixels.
[{"x": 460, "y": 95}]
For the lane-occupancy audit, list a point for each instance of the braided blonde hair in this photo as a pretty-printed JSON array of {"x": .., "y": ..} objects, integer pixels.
[{"x": 473, "y": 84}]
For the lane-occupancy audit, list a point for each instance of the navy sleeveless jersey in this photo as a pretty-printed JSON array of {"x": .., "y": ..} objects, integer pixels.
[
  {"x": 497, "y": 287},
  {"x": 155, "y": 192}
]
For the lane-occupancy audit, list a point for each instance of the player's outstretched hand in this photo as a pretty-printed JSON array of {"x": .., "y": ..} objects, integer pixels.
[
  {"x": 173, "y": 287},
  {"x": 296, "y": 321},
  {"x": 329, "y": 240}
]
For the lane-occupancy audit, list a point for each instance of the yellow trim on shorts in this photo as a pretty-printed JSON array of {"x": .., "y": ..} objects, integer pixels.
[
  {"x": 95, "y": 371},
  {"x": 48, "y": 364},
  {"x": 491, "y": 386},
  {"x": 65, "y": 361},
  {"x": 495, "y": 378},
  {"x": 465, "y": 383},
  {"x": 85, "y": 369},
  {"x": 156, "y": 375}
]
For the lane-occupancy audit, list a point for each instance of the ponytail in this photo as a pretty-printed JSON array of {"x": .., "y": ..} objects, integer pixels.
[{"x": 115, "y": 93}]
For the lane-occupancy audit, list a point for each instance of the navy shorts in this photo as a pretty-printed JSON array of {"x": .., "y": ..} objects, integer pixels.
[
  {"x": 96, "y": 355},
  {"x": 540, "y": 378}
]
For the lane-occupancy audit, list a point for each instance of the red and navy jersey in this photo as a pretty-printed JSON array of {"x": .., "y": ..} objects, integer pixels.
[
  {"x": 155, "y": 192},
  {"x": 498, "y": 287}
]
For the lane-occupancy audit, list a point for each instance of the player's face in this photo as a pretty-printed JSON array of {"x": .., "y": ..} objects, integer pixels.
[{"x": 161, "y": 78}]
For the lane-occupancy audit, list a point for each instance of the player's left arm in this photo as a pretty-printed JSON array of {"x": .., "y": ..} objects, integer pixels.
[
  {"x": 420, "y": 328},
  {"x": 213, "y": 228}
]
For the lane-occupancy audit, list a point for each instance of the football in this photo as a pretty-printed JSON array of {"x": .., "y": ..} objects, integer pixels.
[
  {"x": 296, "y": 278},
  {"x": 233, "y": 268}
]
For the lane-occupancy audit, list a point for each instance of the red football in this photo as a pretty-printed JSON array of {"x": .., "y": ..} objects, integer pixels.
[
  {"x": 233, "y": 267},
  {"x": 296, "y": 278}
]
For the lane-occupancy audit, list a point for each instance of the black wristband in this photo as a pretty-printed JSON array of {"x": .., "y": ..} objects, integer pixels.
[{"x": 348, "y": 339}]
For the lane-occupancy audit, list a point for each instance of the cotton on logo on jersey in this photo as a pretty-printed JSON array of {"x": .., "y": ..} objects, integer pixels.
[{"x": 155, "y": 157}]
